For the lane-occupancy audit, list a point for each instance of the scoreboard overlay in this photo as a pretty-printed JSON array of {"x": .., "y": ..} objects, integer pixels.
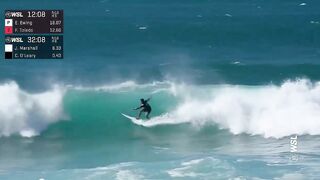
[{"x": 33, "y": 34}]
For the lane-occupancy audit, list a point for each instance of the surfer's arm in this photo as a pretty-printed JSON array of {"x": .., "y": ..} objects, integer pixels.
[
  {"x": 138, "y": 107},
  {"x": 148, "y": 99}
]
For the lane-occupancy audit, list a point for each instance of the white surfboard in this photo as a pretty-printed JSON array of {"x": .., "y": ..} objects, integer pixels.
[
  {"x": 134, "y": 120},
  {"x": 164, "y": 119}
]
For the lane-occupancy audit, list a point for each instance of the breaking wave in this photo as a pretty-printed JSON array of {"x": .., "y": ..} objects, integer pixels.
[
  {"x": 270, "y": 111},
  {"x": 28, "y": 114}
]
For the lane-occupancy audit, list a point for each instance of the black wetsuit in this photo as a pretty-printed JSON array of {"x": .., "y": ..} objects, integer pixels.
[{"x": 146, "y": 107}]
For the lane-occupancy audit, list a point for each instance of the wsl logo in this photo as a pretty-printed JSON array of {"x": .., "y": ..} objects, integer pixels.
[
  {"x": 13, "y": 40},
  {"x": 294, "y": 148},
  {"x": 294, "y": 144},
  {"x": 8, "y": 40},
  {"x": 10, "y": 14}
]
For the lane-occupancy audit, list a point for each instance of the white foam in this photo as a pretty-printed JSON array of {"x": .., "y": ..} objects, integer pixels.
[
  {"x": 143, "y": 27},
  {"x": 109, "y": 87},
  {"x": 291, "y": 176},
  {"x": 196, "y": 168},
  {"x": 182, "y": 172},
  {"x": 28, "y": 114},
  {"x": 270, "y": 111},
  {"x": 128, "y": 175},
  {"x": 192, "y": 162}
]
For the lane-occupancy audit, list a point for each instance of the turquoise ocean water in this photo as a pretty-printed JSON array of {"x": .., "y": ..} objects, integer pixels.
[{"x": 231, "y": 82}]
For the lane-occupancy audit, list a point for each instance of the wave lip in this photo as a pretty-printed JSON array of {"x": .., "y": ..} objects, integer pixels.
[
  {"x": 28, "y": 114},
  {"x": 127, "y": 85}
]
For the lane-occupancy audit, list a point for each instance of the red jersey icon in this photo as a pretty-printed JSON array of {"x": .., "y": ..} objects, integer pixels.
[{"x": 8, "y": 30}]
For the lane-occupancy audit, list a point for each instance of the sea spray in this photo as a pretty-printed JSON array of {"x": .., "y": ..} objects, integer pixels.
[{"x": 28, "y": 114}]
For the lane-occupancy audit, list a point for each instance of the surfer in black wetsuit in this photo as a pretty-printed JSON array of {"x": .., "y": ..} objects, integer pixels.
[{"x": 145, "y": 107}]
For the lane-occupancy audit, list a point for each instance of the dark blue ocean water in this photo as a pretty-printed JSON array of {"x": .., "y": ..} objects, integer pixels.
[{"x": 197, "y": 41}]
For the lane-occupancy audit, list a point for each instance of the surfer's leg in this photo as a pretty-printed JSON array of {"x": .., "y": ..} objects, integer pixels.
[
  {"x": 148, "y": 113},
  {"x": 139, "y": 114}
]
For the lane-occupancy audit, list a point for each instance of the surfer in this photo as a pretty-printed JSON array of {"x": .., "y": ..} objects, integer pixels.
[{"x": 145, "y": 107}]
